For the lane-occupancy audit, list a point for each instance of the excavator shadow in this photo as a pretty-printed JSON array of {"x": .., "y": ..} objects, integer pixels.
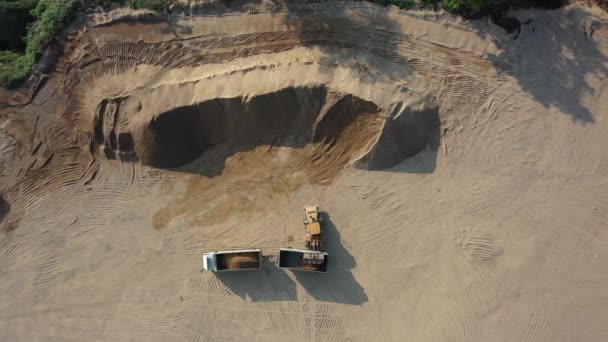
[
  {"x": 268, "y": 284},
  {"x": 338, "y": 285},
  {"x": 5, "y": 208}
]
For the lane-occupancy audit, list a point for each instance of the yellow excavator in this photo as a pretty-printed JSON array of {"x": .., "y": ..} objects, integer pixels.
[{"x": 313, "y": 258}]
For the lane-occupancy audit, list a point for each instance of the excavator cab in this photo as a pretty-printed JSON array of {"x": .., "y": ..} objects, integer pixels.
[{"x": 311, "y": 215}]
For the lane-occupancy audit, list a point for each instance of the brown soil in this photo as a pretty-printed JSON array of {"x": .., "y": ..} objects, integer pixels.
[
  {"x": 238, "y": 261},
  {"x": 406, "y": 133}
]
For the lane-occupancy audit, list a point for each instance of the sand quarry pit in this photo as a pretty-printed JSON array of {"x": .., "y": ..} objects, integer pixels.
[
  {"x": 463, "y": 172},
  {"x": 291, "y": 117}
]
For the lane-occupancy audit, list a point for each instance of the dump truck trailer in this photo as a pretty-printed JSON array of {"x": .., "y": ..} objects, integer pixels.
[
  {"x": 237, "y": 260},
  {"x": 302, "y": 260}
]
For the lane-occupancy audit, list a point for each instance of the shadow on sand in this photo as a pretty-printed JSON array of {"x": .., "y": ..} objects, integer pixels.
[
  {"x": 557, "y": 58},
  {"x": 338, "y": 285},
  {"x": 5, "y": 208},
  {"x": 268, "y": 284}
]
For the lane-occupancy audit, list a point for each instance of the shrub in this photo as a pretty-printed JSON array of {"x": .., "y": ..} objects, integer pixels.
[
  {"x": 464, "y": 6},
  {"x": 405, "y": 4},
  {"x": 402, "y": 4},
  {"x": 467, "y": 7},
  {"x": 49, "y": 18},
  {"x": 155, "y": 5},
  {"x": 7, "y": 69},
  {"x": 14, "y": 67}
]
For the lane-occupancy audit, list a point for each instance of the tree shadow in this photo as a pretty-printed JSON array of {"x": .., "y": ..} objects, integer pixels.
[
  {"x": 556, "y": 57},
  {"x": 338, "y": 285},
  {"x": 268, "y": 284}
]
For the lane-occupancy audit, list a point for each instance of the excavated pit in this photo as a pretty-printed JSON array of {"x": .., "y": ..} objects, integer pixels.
[
  {"x": 282, "y": 118},
  {"x": 324, "y": 126},
  {"x": 328, "y": 129}
]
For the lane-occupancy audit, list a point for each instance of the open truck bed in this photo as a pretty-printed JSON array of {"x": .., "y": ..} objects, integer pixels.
[
  {"x": 240, "y": 260},
  {"x": 302, "y": 260}
]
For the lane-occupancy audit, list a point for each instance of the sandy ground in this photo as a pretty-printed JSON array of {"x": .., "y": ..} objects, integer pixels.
[{"x": 464, "y": 173}]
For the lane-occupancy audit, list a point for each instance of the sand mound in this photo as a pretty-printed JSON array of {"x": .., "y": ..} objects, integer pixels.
[
  {"x": 242, "y": 261},
  {"x": 408, "y": 131}
]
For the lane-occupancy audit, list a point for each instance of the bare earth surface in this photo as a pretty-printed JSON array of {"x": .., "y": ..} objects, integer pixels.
[{"x": 464, "y": 172}]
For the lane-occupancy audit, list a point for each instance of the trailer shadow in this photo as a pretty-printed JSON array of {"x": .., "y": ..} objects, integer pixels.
[
  {"x": 269, "y": 284},
  {"x": 338, "y": 285}
]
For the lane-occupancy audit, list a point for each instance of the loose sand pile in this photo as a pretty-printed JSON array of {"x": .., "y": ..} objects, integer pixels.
[
  {"x": 240, "y": 260},
  {"x": 463, "y": 173}
]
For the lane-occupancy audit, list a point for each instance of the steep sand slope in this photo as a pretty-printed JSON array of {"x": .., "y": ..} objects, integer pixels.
[{"x": 464, "y": 174}]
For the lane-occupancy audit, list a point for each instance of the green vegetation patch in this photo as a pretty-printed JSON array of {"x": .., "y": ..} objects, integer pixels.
[
  {"x": 454, "y": 6},
  {"x": 48, "y": 18},
  {"x": 402, "y": 4},
  {"x": 464, "y": 6},
  {"x": 14, "y": 67},
  {"x": 155, "y": 5}
]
